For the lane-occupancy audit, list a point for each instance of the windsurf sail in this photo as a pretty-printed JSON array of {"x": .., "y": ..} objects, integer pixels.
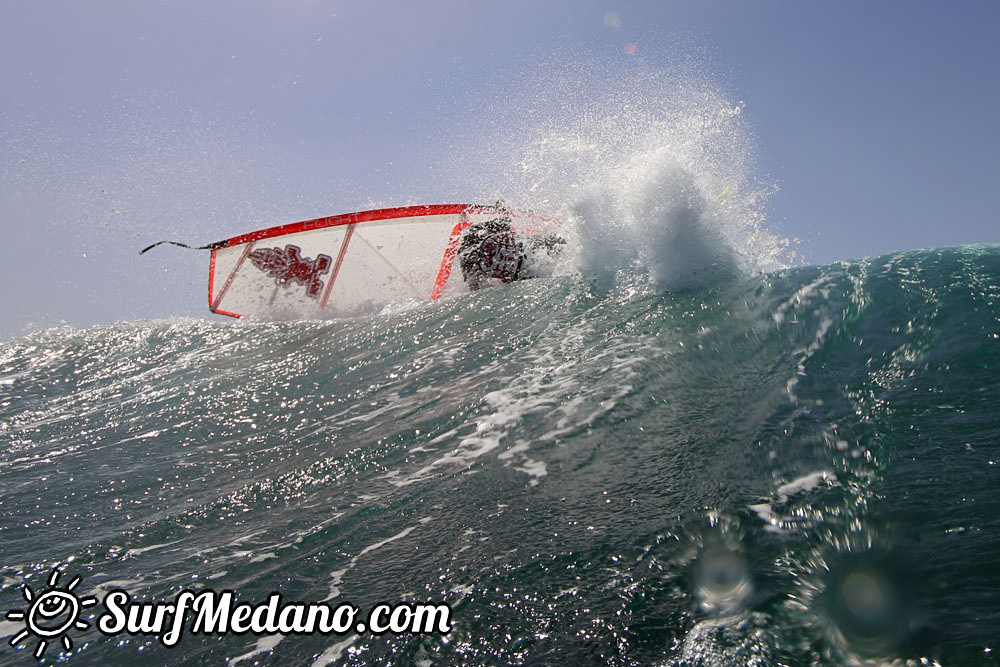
[{"x": 347, "y": 264}]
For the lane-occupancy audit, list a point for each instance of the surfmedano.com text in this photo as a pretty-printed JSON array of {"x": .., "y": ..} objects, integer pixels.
[{"x": 218, "y": 614}]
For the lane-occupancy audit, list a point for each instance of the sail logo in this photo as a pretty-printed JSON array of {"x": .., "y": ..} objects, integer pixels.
[{"x": 286, "y": 265}]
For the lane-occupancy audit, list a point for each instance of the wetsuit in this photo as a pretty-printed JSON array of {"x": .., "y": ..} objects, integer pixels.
[{"x": 491, "y": 250}]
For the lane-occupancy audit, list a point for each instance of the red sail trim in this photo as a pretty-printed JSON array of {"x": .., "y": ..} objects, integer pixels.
[
  {"x": 214, "y": 306},
  {"x": 211, "y": 282},
  {"x": 226, "y": 312},
  {"x": 211, "y": 279},
  {"x": 449, "y": 256},
  {"x": 351, "y": 218}
]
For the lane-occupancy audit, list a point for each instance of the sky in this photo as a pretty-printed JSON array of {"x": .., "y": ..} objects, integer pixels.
[{"x": 123, "y": 122}]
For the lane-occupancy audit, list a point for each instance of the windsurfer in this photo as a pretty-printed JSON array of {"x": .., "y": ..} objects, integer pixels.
[{"x": 491, "y": 250}]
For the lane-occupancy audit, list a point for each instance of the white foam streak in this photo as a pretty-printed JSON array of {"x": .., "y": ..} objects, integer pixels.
[
  {"x": 802, "y": 485},
  {"x": 548, "y": 387},
  {"x": 337, "y": 576}
]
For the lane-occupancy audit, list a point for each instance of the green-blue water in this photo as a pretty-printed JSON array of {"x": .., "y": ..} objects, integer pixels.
[{"x": 795, "y": 468}]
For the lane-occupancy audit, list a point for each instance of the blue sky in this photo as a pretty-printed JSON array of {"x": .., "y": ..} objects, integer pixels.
[{"x": 125, "y": 122}]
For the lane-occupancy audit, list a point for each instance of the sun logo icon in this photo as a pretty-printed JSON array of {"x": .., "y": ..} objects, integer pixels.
[{"x": 51, "y": 614}]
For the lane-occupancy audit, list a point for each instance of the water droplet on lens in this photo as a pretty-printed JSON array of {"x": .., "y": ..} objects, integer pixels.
[{"x": 723, "y": 584}]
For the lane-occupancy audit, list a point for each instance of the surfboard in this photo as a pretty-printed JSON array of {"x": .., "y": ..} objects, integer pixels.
[{"x": 348, "y": 264}]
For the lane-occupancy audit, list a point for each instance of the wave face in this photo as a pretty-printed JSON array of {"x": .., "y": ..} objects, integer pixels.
[{"x": 794, "y": 467}]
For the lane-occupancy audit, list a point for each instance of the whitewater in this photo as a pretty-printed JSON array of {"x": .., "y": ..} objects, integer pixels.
[{"x": 684, "y": 447}]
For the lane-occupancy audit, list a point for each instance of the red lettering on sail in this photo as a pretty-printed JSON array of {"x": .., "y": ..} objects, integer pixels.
[{"x": 286, "y": 265}]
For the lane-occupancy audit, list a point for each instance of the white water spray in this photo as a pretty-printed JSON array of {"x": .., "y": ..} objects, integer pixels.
[{"x": 652, "y": 169}]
